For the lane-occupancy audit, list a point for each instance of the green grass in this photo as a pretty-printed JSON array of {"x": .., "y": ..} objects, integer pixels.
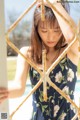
[{"x": 11, "y": 68}]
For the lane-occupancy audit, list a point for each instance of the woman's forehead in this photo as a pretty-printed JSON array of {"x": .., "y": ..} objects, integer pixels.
[{"x": 49, "y": 24}]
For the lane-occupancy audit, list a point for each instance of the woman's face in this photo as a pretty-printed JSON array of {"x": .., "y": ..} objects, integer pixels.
[{"x": 50, "y": 33}]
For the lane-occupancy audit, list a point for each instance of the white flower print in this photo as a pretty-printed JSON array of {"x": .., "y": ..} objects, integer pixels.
[
  {"x": 56, "y": 108},
  {"x": 52, "y": 101},
  {"x": 37, "y": 105},
  {"x": 66, "y": 90},
  {"x": 70, "y": 75},
  {"x": 66, "y": 67},
  {"x": 58, "y": 77},
  {"x": 62, "y": 116},
  {"x": 73, "y": 108}
]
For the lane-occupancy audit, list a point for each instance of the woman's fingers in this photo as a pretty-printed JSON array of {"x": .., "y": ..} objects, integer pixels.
[
  {"x": 3, "y": 94},
  {"x": 3, "y": 98},
  {"x": 3, "y": 90},
  {"x": 40, "y": 2}
]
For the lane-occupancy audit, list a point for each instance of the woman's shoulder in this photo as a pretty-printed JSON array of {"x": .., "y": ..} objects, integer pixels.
[
  {"x": 26, "y": 50},
  {"x": 73, "y": 58}
]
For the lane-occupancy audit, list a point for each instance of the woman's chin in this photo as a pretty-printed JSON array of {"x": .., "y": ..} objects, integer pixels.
[{"x": 51, "y": 45}]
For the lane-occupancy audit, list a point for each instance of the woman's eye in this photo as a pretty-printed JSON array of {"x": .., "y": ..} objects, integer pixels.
[
  {"x": 44, "y": 31},
  {"x": 56, "y": 30}
]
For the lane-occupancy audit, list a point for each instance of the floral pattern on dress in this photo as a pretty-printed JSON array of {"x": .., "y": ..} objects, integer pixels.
[
  {"x": 56, "y": 107},
  {"x": 70, "y": 75},
  {"x": 59, "y": 77}
]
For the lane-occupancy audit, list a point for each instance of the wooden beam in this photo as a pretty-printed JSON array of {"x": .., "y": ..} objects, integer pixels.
[{"x": 3, "y": 65}]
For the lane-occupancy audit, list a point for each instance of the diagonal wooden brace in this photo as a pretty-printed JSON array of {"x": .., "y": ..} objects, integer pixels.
[
  {"x": 67, "y": 21},
  {"x": 61, "y": 92},
  {"x": 20, "y": 18},
  {"x": 44, "y": 73},
  {"x": 32, "y": 91},
  {"x": 43, "y": 76},
  {"x": 18, "y": 51},
  {"x": 75, "y": 117}
]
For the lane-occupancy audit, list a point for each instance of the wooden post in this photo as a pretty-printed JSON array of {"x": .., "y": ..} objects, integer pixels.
[{"x": 4, "y": 109}]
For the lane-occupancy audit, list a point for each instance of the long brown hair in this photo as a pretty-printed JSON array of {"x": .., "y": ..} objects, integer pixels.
[{"x": 36, "y": 42}]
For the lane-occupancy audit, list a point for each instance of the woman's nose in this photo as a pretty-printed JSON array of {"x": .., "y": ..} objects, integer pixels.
[{"x": 50, "y": 36}]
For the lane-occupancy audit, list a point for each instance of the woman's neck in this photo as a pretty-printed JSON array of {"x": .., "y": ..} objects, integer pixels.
[{"x": 51, "y": 50}]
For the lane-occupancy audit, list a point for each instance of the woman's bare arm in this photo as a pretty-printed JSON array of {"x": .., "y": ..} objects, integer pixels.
[
  {"x": 17, "y": 87},
  {"x": 65, "y": 27}
]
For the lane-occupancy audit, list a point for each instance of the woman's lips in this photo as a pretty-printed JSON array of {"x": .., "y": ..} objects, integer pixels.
[{"x": 50, "y": 42}]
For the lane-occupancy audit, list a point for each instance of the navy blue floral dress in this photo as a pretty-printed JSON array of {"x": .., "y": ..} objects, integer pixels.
[{"x": 56, "y": 107}]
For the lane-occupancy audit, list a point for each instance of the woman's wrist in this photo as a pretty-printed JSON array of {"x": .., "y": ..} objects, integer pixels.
[{"x": 55, "y": 3}]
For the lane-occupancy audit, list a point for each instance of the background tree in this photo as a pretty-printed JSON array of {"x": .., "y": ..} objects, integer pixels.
[{"x": 20, "y": 36}]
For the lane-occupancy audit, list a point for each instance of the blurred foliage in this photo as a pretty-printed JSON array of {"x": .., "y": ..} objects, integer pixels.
[{"x": 20, "y": 36}]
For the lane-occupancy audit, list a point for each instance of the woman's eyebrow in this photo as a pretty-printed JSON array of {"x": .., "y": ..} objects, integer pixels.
[
  {"x": 45, "y": 26},
  {"x": 42, "y": 27},
  {"x": 50, "y": 27},
  {"x": 56, "y": 28}
]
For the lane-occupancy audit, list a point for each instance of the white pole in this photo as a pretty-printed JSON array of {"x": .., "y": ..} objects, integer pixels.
[{"x": 4, "y": 111}]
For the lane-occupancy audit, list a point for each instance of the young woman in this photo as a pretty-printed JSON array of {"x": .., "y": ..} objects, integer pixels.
[{"x": 54, "y": 35}]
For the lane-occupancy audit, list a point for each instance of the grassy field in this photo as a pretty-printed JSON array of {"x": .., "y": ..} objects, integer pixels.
[{"x": 11, "y": 69}]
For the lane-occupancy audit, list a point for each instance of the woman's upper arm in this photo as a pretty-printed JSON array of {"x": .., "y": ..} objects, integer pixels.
[
  {"x": 22, "y": 68},
  {"x": 67, "y": 30},
  {"x": 74, "y": 48}
]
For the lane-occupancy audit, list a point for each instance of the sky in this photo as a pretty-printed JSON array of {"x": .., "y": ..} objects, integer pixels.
[
  {"x": 21, "y": 5},
  {"x": 18, "y": 6},
  {"x": 75, "y": 11}
]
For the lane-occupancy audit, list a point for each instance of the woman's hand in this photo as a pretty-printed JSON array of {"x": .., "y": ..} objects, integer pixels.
[
  {"x": 3, "y": 94},
  {"x": 48, "y": 3}
]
